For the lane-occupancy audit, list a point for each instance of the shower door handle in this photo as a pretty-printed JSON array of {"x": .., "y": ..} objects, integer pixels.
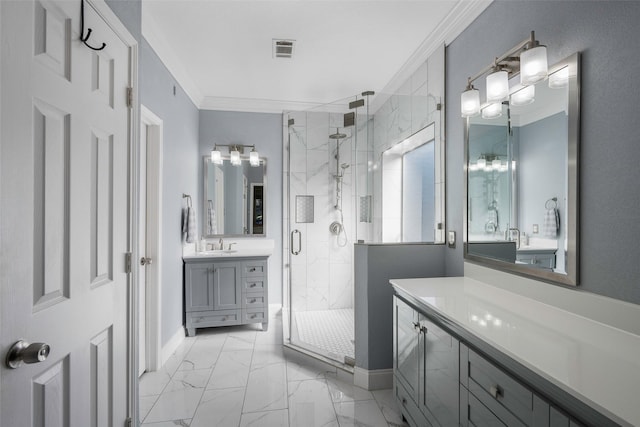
[{"x": 293, "y": 251}]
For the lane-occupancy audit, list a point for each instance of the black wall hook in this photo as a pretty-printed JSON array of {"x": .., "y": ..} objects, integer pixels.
[{"x": 84, "y": 38}]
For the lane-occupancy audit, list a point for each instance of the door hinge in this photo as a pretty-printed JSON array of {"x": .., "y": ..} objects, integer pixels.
[
  {"x": 127, "y": 262},
  {"x": 438, "y": 106},
  {"x": 130, "y": 97}
]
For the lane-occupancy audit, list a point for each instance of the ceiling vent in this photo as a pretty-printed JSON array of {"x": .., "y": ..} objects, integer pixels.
[{"x": 283, "y": 48}]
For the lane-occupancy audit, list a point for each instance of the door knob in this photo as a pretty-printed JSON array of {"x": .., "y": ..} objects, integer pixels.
[
  {"x": 146, "y": 261},
  {"x": 23, "y": 352}
]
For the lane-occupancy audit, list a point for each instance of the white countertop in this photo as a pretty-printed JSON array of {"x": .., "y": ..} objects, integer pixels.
[
  {"x": 242, "y": 248},
  {"x": 594, "y": 362}
]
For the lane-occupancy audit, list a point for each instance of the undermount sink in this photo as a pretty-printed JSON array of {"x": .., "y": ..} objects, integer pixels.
[{"x": 218, "y": 252}]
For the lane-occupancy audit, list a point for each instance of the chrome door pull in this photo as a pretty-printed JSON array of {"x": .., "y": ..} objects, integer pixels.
[
  {"x": 23, "y": 352},
  {"x": 299, "y": 242},
  {"x": 146, "y": 261}
]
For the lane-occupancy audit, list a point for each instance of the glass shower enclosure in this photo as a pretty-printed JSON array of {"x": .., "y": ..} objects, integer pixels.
[{"x": 328, "y": 207}]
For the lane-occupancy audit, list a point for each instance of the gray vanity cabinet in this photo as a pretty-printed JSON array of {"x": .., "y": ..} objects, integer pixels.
[
  {"x": 224, "y": 293},
  {"x": 425, "y": 369}
]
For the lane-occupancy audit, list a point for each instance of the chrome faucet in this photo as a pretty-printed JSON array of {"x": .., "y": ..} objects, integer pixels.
[
  {"x": 221, "y": 242},
  {"x": 231, "y": 244}
]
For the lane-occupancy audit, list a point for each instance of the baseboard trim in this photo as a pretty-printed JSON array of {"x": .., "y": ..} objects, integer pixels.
[
  {"x": 378, "y": 379},
  {"x": 172, "y": 345}
]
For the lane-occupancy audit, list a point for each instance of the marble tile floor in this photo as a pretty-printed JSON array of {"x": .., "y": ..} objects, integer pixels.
[{"x": 243, "y": 376}]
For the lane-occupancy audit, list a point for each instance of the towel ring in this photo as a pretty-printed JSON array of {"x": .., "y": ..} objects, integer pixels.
[
  {"x": 552, "y": 203},
  {"x": 188, "y": 197}
]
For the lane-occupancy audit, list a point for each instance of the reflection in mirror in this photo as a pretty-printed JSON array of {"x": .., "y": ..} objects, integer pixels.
[
  {"x": 522, "y": 181},
  {"x": 234, "y": 198},
  {"x": 413, "y": 209}
]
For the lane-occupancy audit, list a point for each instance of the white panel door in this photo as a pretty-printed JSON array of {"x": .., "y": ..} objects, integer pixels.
[{"x": 64, "y": 215}]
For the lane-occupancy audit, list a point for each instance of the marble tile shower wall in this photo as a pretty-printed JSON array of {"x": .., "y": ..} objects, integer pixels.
[
  {"x": 412, "y": 107},
  {"x": 322, "y": 273}
]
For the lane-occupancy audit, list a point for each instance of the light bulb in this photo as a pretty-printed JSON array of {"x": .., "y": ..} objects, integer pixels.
[
  {"x": 470, "y": 102},
  {"x": 497, "y": 86},
  {"x": 533, "y": 65},
  {"x": 492, "y": 111},
  {"x": 559, "y": 79},
  {"x": 254, "y": 158},
  {"x": 235, "y": 157},
  {"x": 524, "y": 96},
  {"x": 216, "y": 157}
]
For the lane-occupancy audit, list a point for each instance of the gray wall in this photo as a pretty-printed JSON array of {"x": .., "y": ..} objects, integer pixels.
[
  {"x": 265, "y": 131},
  {"x": 375, "y": 265},
  {"x": 180, "y": 163},
  {"x": 603, "y": 31}
]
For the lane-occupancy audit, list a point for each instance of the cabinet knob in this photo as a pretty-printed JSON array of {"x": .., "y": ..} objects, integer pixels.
[
  {"x": 224, "y": 319},
  {"x": 253, "y": 300},
  {"x": 253, "y": 316},
  {"x": 253, "y": 285},
  {"x": 252, "y": 269},
  {"x": 496, "y": 391}
]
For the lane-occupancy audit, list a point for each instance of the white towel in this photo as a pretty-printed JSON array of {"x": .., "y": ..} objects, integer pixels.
[
  {"x": 189, "y": 224},
  {"x": 551, "y": 224}
]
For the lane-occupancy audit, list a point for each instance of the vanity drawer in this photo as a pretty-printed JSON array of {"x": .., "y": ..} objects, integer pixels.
[
  {"x": 217, "y": 318},
  {"x": 254, "y": 268},
  {"x": 408, "y": 406},
  {"x": 254, "y": 315},
  {"x": 254, "y": 299},
  {"x": 251, "y": 284},
  {"x": 494, "y": 387}
]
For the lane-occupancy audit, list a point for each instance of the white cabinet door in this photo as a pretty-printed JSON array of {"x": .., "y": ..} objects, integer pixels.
[{"x": 64, "y": 215}]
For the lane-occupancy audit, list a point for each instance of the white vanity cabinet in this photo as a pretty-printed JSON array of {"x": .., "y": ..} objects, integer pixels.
[
  {"x": 425, "y": 368},
  {"x": 224, "y": 292}
]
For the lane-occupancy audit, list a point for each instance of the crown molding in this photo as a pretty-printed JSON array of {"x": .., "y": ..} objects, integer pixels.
[
  {"x": 253, "y": 105},
  {"x": 456, "y": 21},
  {"x": 152, "y": 34}
]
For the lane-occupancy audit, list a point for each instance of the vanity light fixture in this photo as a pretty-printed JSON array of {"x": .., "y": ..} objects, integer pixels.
[
  {"x": 216, "y": 156},
  {"x": 559, "y": 79},
  {"x": 523, "y": 96},
  {"x": 235, "y": 152},
  {"x": 234, "y": 156},
  {"x": 254, "y": 159},
  {"x": 497, "y": 86},
  {"x": 470, "y": 101},
  {"x": 533, "y": 62},
  {"x": 528, "y": 58},
  {"x": 492, "y": 111}
]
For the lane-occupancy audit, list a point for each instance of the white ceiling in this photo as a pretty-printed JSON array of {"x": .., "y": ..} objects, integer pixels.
[{"x": 221, "y": 51}]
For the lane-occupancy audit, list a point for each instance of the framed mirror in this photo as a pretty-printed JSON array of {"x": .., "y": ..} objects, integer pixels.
[
  {"x": 234, "y": 198},
  {"x": 522, "y": 181}
]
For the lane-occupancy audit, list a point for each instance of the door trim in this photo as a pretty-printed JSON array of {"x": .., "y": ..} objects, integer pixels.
[
  {"x": 155, "y": 132},
  {"x": 112, "y": 20}
]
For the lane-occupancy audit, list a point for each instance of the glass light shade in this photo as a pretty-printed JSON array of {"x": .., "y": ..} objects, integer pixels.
[
  {"x": 559, "y": 79},
  {"x": 216, "y": 157},
  {"x": 524, "y": 96},
  {"x": 481, "y": 163},
  {"x": 492, "y": 111},
  {"x": 470, "y": 102},
  {"x": 254, "y": 158},
  {"x": 235, "y": 157},
  {"x": 533, "y": 65},
  {"x": 496, "y": 164},
  {"x": 497, "y": 86}
]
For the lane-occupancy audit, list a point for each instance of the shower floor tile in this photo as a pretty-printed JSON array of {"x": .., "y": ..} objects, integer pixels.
[{"x": 331, "y": 331}]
